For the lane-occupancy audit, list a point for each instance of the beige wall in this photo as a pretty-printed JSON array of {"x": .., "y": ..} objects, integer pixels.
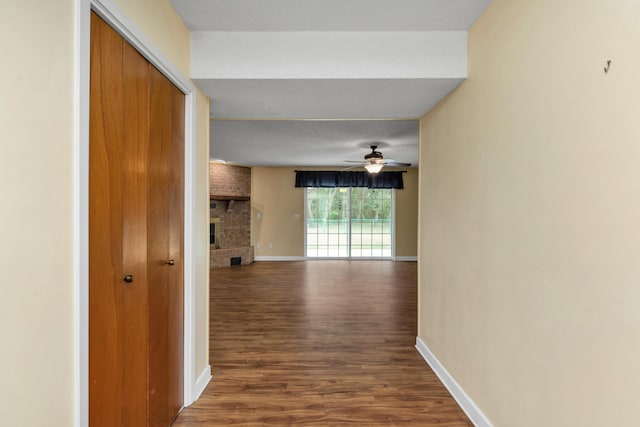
[
  {"x": 407, "y": 216},
  {"x": 161, "y": 24},
  {"x": 37, "y": 223},
  {"x": 529, "y": 216},
  {"x": 36, "y": 213},
  {"x": 275, "y": 198}
]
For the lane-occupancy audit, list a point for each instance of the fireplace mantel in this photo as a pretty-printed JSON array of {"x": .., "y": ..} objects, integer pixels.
[{"x": 228, "y": 198}]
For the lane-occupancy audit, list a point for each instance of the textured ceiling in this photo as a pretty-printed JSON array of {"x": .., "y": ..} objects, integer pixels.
[
  {"x": 313, "y": 143},
  {"x": 329, "y": 15}
]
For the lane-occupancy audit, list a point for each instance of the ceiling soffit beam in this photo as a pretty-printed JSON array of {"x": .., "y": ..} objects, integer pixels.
[
  {"x": 324, "y": 98},
  {"x": 329, "y": 55}
]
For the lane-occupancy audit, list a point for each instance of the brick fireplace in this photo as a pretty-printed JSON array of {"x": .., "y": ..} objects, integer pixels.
[{"x": 230, "y": 213}]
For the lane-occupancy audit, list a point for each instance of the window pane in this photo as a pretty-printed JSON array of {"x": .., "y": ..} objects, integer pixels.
[
  {"x": 371, "y": 222},
  {"x": 327, "y": 216}
]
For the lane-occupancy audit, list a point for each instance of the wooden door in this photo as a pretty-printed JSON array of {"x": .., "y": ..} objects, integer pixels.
[
  {"x": 105, "y": 228},
  {"x": 135, "y": 297},
  {"x": 165, "y": 243},
  {"x": 134, "y": 307},
  {"x": 176, "y": 251}
]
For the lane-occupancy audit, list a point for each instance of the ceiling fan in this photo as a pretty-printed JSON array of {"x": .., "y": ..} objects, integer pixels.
[{"x": 375, "y": 161}]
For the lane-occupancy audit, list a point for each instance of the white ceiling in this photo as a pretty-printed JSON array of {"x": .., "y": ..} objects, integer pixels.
[
  {"x": 329, "y": 15},
  {"x": 330, "y": 59},
  {"x": 325, "y": 98}
]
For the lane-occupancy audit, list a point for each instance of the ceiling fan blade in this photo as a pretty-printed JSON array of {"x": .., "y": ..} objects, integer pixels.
[
  {"x": 351, "y": 167},
  {"x": 376, "y": 157},
  {"x": 397, "y": 164}
]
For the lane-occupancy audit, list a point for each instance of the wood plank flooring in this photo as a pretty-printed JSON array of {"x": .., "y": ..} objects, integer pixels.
[{"x": 318, "y": 343}]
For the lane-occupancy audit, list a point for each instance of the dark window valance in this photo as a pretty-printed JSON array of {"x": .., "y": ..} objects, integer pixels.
[{"x": 330, "y": 179}]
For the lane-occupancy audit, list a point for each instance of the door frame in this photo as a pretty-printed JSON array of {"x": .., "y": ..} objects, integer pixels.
[{"x": 112, "y": 14}]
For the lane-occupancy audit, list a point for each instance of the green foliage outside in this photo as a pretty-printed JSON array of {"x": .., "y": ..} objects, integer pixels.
[{"x": 332, "y": 204}]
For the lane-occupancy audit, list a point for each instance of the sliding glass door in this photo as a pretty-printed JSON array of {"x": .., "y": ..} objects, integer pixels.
[
  {"x": 371, "y": 222},
  {"x": 349, "y": 223},
  {"x": 327, "y": 221}
]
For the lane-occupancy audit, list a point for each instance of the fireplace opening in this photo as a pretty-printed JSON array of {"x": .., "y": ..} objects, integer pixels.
[{"x": 214, "y": 233}]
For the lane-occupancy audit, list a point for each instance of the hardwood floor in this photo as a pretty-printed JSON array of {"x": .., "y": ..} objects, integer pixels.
[{"x": 318, "y": 343}]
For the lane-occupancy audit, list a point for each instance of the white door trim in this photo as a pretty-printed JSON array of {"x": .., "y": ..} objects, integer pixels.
[{"x": 82, "y": 31}]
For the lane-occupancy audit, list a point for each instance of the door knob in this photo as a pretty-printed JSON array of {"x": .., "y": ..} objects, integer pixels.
[
  {"x": 128, "y": 278},
  {"x": 171, "y": 262}
]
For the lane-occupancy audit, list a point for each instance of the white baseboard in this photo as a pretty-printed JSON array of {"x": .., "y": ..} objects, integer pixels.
[
  {"x": 466, "y": 403},
  {"x": 301, "y": 258},
  {"x": 201, "y": 382},
  {"x": 406, "y": 258}
]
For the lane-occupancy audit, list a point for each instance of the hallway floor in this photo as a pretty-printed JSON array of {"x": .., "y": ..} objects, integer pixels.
[{"x": 318, "y": 343}]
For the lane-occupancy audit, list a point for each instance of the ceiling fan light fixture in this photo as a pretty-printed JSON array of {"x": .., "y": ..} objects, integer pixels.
[
  {"x": 375, "y": 161},
  {"x": 374, "y": 167}
]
